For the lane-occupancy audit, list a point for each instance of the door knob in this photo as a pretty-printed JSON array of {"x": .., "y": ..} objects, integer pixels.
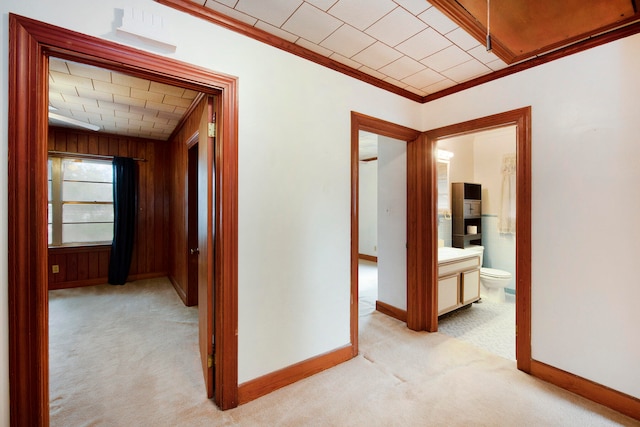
[{"x": 195, "y": 251}]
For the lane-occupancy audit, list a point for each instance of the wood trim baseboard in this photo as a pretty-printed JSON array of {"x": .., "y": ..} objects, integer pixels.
[
  {"x": 104, "y": 280},
  {"x": 616, "y": 400},
  {"x": 265, "y": 384},
  {"x": 181, "y": 293},
  {"x": 391, "y": 311},
  {"x": 368, "y": 257}
]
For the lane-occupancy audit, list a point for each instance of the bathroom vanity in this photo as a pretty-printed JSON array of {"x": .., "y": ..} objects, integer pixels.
[{"x": 458, "y": 278}]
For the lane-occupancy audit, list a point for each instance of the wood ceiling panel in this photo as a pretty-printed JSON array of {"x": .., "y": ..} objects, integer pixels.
[{"x": 522, "y": 29}]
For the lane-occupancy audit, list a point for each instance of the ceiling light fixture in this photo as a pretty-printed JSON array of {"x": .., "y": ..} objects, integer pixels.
[
  {"x": 488, "y": 26},
  {"x": 74, "y": 122}
]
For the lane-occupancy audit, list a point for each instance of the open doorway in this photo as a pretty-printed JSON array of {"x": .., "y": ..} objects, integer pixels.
[
  {"x": 486, "y": 160},
  {"x": 382, "y": 223},
  {"x": 400, "y": 137},
  {"x": 521, "y": 120},
  {"x": 31, "y": 44}
]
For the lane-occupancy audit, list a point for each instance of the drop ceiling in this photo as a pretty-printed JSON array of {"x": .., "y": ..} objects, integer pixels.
[
  {"x": 415, "y": 48},
  {"x": 113, "y": 102}
]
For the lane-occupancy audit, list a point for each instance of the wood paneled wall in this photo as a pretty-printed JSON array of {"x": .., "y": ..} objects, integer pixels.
[
  {"x": 88, "y": 265},
  {"x": 177, "y": 168}
]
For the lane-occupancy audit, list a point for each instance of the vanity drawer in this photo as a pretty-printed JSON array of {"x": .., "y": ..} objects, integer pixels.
[{"x": 465, "y": 264}]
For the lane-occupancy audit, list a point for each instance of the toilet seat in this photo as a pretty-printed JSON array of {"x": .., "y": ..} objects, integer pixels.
[{"x": 495, "y": 273}]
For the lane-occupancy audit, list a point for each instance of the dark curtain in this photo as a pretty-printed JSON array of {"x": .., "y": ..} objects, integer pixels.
[{"x": 124, "y": 210}]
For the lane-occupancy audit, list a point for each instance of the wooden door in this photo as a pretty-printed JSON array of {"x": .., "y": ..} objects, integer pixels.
[
  {"x": 192, "y": 226},
  {"x": 206, "y": 211}
]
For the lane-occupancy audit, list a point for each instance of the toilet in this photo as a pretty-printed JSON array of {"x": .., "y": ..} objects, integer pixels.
[{"x": 492, "y": 281}]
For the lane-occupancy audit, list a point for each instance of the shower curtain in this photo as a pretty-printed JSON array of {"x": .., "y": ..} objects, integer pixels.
[
  {"x": 124, "y": 210},
  {"x": 507, "y": 216}
]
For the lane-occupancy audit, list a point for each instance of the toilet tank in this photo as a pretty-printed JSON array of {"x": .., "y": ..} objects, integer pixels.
[{"x": 476, "y": 249}]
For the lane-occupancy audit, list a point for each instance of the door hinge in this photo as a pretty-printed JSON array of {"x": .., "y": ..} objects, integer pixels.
[
  {"x": 211, "y": 130},
  {"x": 210, "y": 361}
]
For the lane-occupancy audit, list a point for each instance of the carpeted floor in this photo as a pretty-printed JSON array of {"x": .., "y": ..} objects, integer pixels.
[
  {"x": 128, "y": 356},
  {"x": 486, "y": 324}
]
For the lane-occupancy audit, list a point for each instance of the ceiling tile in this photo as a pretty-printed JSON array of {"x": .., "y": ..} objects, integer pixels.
[
  {"x": 229, "y": 3},
  {"x": 346, "y": 61},
  {"x": 59, "y": 65},
  {"x": 322, "y": 4},
  {"x": 176, "y": 101},
  {"x": 423, "y": 78},
  {"x": 124, "y": 80},
  {"x": 461, "y": 38},
  {"x": 67, "y": 79},
  {"x": 480, "y": 53},
  {"x": 441, "y": 85},
  {"x": 416, "y": 91},
  {"x": 89, "y": 71},
  {"x": 66, "y": 89},
  {"x": 438, "y": 21},
  {"x": 361, "y": 13},
  {"x": 101, "y": 96},
  {"x": 311, "y": 23},
  {"x": 313, "y": 47},
  {"x": 146, "y": 95},
  {"x": 468, "y": 70},
  {"x": 133, "y": 102},
  {"x": 275, "y": 13},
  {"x": 79, "y": 100},
  {"x": 402, "y": 68},
  {"x": 396, "y": 27},
  {"x": 191, "y": 94},
  {"x": 166, "y": 89},
  {"x": 347, "y": 41},
  {"x": 424, "y": 44},
  {"x": 377, "y": 56},
  {"x": 497, "y": 65},
  {"x": 446, "y": 58},
  {"x": 111, "y": 88},
  {"x": 128, "y": 115},
  {"x": 416, "y": 7},
  {"x": 160, "y": 106},
  {"x": 232, "y": 13},
  {"x": 277, "y": 31},
  {"x": 372, "y": 72}
]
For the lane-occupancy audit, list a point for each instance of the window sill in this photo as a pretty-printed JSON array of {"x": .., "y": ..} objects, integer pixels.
[{"x": 85, "y": 247}]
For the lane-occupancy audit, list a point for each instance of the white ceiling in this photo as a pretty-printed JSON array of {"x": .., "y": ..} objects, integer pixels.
[
  {"x": 407, "y": 43},
  {"x": 116, "y": 103}
]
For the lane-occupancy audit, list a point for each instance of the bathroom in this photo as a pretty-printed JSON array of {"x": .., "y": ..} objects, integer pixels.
[{"x": 486, "y": 158}]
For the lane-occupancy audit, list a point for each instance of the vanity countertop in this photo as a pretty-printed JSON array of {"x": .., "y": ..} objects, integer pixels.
[{"x": 446, "y": 254}]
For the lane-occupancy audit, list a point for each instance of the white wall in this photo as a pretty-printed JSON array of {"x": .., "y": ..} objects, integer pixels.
[
  {"x": 489, "y": 147},
  {"x": 585, "y": 201},
  {"x": 392, "y": 222},
  {"x": 368, "y": 208},
  {"x": 294, "y": 179}
]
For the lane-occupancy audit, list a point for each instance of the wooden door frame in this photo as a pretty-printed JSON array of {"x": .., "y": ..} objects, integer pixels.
[
  {"x": 414, "y": 298},
  {"x": 30, "y": 44},
  {"x": 422, "y": 228},
  {"x": 521, "y": 118}
]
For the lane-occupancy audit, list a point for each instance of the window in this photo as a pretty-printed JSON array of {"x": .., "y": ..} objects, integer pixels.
[{"x": 80, "y": 201}]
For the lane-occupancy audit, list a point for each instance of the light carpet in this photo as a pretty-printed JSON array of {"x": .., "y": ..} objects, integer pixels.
[{"x": 128, "y": 356}]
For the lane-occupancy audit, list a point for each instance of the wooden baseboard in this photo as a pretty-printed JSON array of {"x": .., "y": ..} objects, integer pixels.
[
  {"x": 368, "y": 257},
  {"x": 181, "y": 293},
  {"x": 261, "y": 386},
  {"x": 618, "y": 401},
  {"x": 391, "y": 311},
  {"x": 102, "y": 281}
]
